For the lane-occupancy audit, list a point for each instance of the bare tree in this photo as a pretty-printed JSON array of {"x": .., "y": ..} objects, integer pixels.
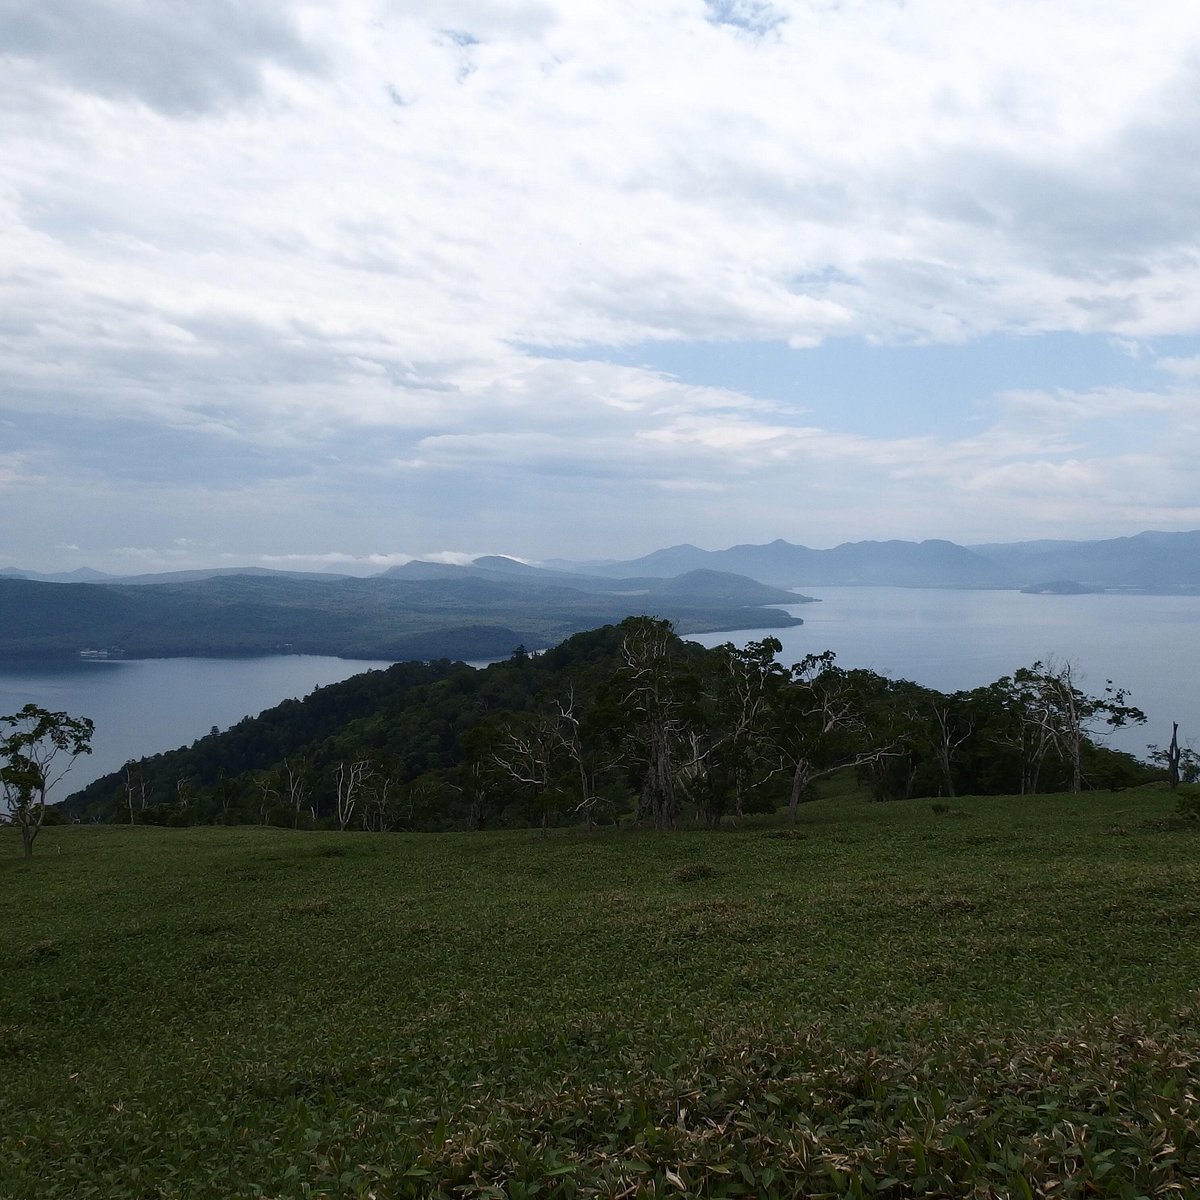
[
  {"x": 650, "y": 702},
  {"x": 349, "y": 778},
  {"x": 1054, "y": 713},
  {"x": 134, "y": 785},
  {"x": 416, "y": 799},
  {"x": 747, "y": 683},
  {"x": 223, "y": 794},
  {"x": 377, "y": 815},
  {"x": 476, "y": 788},
  {"x": 947, "y": 738},
  {"x": 584, "y": 767},
  {"x": 525, "y": 755},
  {"x": 550, "y": 757},
  {"x": 1174, "y": 756},
  {"x": 295, "y": 781},
  {"x": 268, "y": 796},
  {"x": 1181, "y": 763}
]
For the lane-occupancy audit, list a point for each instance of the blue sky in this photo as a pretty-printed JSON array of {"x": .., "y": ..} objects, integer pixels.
[
  {"x": 855, "y": 386},
  {"x": 339, "y": 284}
]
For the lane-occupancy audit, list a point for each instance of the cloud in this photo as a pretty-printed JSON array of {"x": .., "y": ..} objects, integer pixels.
[
  {"x": 1184, "y": 368},
  {"x": 600, "y": 182},
  {"x": 752, "y": 16},
  {"x": 344, "y": 562},
  {"x": 249, "y": 291},
  {"x": 181, "y": 57}
]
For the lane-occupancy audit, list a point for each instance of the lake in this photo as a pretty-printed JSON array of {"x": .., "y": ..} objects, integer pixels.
[
  {"x": 145, "y": 706},
  {"x": 948, "y": 640},
  {"x": 953, "y": 640}
]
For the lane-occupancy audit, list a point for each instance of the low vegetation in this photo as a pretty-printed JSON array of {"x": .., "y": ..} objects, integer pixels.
[{"x": 995, "y": 1000}]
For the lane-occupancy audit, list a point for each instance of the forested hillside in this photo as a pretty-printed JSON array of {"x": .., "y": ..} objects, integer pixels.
[
  {"x": 475, "y": 613},
  {"x": 623, "y": 722}
]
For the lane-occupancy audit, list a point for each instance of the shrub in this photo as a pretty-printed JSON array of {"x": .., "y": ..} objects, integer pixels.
[
  {"x": 688, "y": 872},
  {"x": 1187, "y": 804},
  {"x": 306, "y": 908}
]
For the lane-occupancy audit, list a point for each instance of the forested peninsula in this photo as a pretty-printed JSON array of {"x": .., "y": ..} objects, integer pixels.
[{"x": 422, "y": 611}]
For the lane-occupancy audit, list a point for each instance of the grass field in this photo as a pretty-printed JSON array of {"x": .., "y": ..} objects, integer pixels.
[{"x": 997, "y": 1000}]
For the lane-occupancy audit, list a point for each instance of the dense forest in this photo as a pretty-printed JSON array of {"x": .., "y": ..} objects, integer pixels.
[{"x": 623, "y": 723}]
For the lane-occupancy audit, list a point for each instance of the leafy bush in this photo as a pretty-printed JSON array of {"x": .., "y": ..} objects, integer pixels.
[
  {"x": 690, "y": 871},
  {"x": 1187, "y": 803}
]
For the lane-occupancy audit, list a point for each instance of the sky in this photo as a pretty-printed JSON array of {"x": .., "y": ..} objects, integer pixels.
[{"x": 334, "y": 285}]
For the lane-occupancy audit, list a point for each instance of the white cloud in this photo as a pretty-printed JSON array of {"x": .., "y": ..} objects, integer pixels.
[
  {"x": 620, "y": 173},
  {"x": 1185, "y": 368},
  {"x": 350, "y": 563},
  {"x": 271, "y": 260}
]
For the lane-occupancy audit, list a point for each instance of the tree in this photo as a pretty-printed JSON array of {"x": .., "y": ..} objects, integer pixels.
[
  {"x": 378, "y": 810},
  {"x": 549, "y": 756},
  {"x": 650, "y": 688},
  {"x": 584, "y": 753},
  {"x": 37, "y": 750},
  {"x": 914, "y": 722},
  {"x": 747, "y": 681},
  {"x": 821, "y": 723},
  {"x": 1174, "y": 755},
  {"x": 349, "y": 780},
  {"x": 296, "y": 782},
  {"x": 1181, "y": 763},
  {"x": 952, "y": 726},
  {"x": 133, "y": 783},
  {"x": 525, "y": 756},
  {"x": 1055, "y": 713}
]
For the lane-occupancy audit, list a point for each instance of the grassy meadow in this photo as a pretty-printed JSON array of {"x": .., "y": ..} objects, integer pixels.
[{"x": 999, "y": 999}]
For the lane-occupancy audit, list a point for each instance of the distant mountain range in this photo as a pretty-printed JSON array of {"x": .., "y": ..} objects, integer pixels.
[
  {"x": 424, "y": 610},
  {"x": 420, "y": 611},
  {"x": 87, "y": 575},
  {"x": 1148, "y": 562}
]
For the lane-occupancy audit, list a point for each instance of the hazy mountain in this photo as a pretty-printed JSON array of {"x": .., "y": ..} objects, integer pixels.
[
  {"x": 88, "y": 575},
  {"x": 79, "y": 575},
  {"x": 702, "y": 585},
  {"x": 202, "y": 573},
  {"x": 1156, "y": 562},
  {"x": 499, "y": 562},
  {"x": 908, "y": 564},
  {"x": 1151, "y": 561},
  {"x": 463, "y": 613}
]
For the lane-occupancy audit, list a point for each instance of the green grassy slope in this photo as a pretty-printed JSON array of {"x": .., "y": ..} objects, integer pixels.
[{"x": 891, "y": 1002}]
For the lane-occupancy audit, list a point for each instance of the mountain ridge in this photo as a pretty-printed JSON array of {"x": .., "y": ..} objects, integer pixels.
[
  {"x": 1153, "y": 560},
  {"x": 1150, "y": 561}
]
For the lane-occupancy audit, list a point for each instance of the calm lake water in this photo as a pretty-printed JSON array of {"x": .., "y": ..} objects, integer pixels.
[
  {"x": 145, "y": 706},
  {"x": 944, "y": 639},
  {"x": 952, "y": 640}
]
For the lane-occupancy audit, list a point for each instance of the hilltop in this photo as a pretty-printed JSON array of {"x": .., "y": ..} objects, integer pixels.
[{"x": 623, "y": 722}]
